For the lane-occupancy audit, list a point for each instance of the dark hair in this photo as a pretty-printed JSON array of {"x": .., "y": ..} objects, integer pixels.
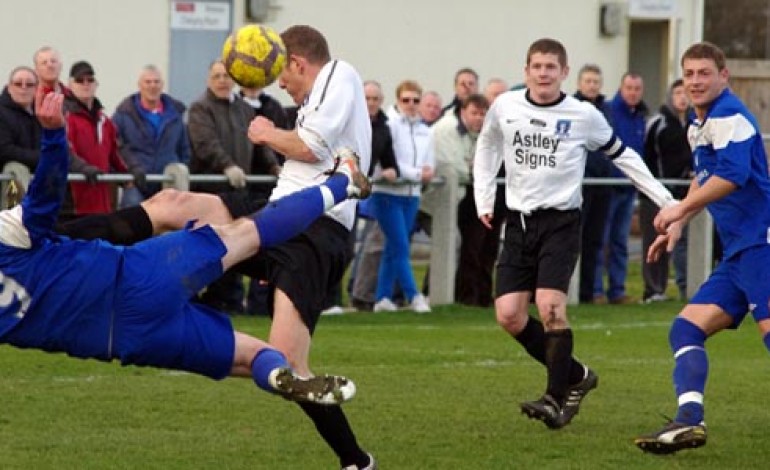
[
  {"x": 677, "y": 83},
  {"x": 593, "y": 68},
  {"x": 307, "y": 42},
  {"x": 632, "y": 75},
  {"x": 705, "y": 50},
  {"x": 548, "y": 46},
  {"x": 465, "y": 70},
  {"x": 476, "y": 99},
  {"x": 19, "y": 69}
]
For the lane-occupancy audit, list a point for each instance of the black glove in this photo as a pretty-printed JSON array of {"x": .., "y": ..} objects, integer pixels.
[
  {"x": 91, "y": 172},
  {"x": 140, "y": 178}
]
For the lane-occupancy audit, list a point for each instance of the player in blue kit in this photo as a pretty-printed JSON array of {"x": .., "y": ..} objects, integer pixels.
[
  {"x": 732, "y": 182},
  {"x": 92, "y": 299}
]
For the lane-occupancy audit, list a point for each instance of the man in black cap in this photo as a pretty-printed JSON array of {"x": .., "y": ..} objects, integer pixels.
[{"x": 93, "y": 143}]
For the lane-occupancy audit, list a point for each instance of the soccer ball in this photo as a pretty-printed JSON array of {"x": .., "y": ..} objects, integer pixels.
[{"x": 254, "y": 56}]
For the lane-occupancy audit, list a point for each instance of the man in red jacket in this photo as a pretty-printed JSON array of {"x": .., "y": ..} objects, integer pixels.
[{"x": 93, "y": 140}]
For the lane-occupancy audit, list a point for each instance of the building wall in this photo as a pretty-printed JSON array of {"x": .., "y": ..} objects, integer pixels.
[
  {"x": 116, "y": 37},
  {"x": 387, "y": 40}
]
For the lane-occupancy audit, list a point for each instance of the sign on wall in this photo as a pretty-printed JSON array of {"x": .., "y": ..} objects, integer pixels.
[
  {"x": 653, "y": 9},
  {"x": 202, "y": 16}
]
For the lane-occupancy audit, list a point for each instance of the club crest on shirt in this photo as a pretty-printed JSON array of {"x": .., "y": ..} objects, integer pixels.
[
  {"x": 11, "y": 292},
  {"x": 563, "y": 127}
]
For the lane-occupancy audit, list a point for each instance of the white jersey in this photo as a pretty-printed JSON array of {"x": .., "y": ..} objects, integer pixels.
[
  {"x": 333, "y": 116},
  {"x": 544, "y": 149}
]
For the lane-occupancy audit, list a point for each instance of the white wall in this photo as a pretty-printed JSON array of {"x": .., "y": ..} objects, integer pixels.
[
  {"x": 387, "y": 40},
  {"x": 117, "y": 37},
  {"x": 428, "y": 40}
]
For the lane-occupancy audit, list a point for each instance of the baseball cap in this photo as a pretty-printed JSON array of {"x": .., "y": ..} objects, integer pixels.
[{"x": 81, "y": 68}]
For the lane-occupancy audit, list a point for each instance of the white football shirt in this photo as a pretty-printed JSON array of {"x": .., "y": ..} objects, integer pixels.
[
  {"x": 333, "y": 116},
  {"x": 544, "y": 149}
]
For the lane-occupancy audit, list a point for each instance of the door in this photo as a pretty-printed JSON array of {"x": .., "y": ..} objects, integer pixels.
[{"x": 647, "y": 56}]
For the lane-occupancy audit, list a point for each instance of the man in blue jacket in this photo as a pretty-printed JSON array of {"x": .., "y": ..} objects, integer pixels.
[
  {"x": 627, "y": 113},
  {"x": 151, "y": 132}
]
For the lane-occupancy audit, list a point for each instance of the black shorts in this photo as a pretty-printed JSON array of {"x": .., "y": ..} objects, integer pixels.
[
  {"x": 307, "y": 268},
  {"x": 540, "y": 251},
  {"x": 241, "y": 203}
]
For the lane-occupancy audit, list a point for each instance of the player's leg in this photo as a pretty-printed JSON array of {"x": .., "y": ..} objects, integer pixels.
[
  {"x": 122, "y": 227},
  {"x": 718, "y": 304},
  {"x": 167, "y": 210},
  {"x": 270, "y": 370},
  {"x": 568, "y": 380},
  {"x": 290, "y": 334},
  {"x": 171, "y": 209},
  {"x": 280, "y": 220},
  {"x": 687, "y": 338}
]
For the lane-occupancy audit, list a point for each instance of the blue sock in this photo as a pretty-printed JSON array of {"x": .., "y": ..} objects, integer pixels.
[
  {"x": 690, "y": 369},
  {"x": 291, "y": 215},
  {"x": 266, "y": 361}
]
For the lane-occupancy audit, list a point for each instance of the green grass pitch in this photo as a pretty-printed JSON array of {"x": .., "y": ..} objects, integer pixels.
[{"x": 436, "y": 391}]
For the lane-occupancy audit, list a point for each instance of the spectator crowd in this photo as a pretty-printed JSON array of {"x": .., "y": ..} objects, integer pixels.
[{"x": 417, "y": 139}]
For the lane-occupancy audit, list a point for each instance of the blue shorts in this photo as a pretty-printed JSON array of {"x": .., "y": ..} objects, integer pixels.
[
  {"x": 155, "y": 322},
  {"x": 739, "y": 285}
]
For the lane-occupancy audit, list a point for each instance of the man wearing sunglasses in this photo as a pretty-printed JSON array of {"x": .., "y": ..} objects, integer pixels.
[{"x": 93, "y": 142}]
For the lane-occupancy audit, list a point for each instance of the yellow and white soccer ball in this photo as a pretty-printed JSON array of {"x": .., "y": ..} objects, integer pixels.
[{"x": 254, "y": 55}]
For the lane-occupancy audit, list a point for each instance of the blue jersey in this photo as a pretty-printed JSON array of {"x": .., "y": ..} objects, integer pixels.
[
  {"x": 728, "y": 144},
  {"x": 91, "y": 299},
  {"x": 42, "y": 272}
]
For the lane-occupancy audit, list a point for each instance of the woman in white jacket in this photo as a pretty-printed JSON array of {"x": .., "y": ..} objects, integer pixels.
[{"x": 395, "y": 205}]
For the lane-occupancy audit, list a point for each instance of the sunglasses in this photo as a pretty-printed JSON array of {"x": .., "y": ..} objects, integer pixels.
[
  {"x": 82, "y": 80},
  {"x": 410, "y": 100},
  {"x": 24, "y": 84}
]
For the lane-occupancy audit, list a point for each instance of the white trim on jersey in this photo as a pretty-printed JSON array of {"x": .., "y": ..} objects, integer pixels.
[
  {"x": 720, "y": 131},
  {"x": 12, "y": 230}
]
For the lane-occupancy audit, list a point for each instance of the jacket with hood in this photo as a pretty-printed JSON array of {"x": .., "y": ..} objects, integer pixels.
[{"x": 93, "y": 141}]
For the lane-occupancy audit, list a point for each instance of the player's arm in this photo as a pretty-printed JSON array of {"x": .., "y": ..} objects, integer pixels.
[
  {"x": 41, "y": 204},
  {"x": 603, "y": 138},
  {"x": 486, "y": 165},
  {"x": 286, "y": 142}
]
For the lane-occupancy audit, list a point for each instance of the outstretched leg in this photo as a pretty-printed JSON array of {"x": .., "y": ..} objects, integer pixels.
[
  {"x": 687, "y": 337},
  {"x": 271, "y": 372}
]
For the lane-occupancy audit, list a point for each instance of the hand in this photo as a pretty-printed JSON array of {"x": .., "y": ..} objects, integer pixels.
[
  {"x": 236, "y": 176},
  {"x": 427, "y": 174},
  {"x": 48, "y": 109},
  {"x": 389, "y": 174},
  {"x": 91, "y": 172},
  {"x": 259, "y": 128},
  {"x": 667, "y": 216},
  {"x": 665, "y": 242},
  {"x": 486, "y": 220},
  {"x": 140, "y": 178}
]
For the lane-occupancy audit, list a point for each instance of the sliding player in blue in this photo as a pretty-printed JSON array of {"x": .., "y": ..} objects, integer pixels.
[
  {"x": 92, "y": 299},
  {"x": 732, "y": 182}
]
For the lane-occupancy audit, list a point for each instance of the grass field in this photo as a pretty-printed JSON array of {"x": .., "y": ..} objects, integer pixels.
[{"x": 437, "y": 391}]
